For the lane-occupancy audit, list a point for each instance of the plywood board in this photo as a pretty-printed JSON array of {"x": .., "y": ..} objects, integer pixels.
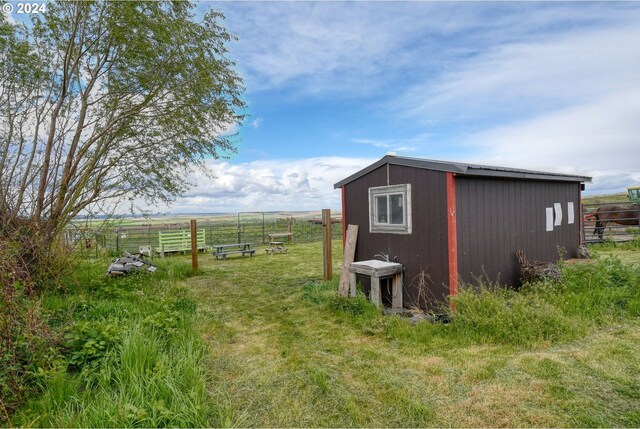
[{"x": 349, "y": 255}]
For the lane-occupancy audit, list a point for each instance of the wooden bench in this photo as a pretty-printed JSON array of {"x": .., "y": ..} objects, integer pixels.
[
  {"x": 179, "y": 241},
  {"x": 289, "y": 236},
  {"x": 222, "y": 250},
  {"x": 276, "y": 247}
]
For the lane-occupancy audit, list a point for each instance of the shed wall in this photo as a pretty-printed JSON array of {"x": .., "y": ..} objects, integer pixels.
[
  {"x": 425, "y": 249},
  {"x": 497, "y": 217}
]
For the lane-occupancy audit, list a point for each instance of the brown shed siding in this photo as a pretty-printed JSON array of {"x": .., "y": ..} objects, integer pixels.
[
  {"x": 426, "y": 247},
  {"x": 497, "y": 217}
]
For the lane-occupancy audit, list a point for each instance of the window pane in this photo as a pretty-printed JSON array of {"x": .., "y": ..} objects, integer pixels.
[
  {"x": 381, "y": 209},
  {"x": 397, "y": 212}
]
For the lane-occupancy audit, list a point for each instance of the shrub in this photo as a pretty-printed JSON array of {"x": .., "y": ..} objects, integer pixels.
[
  {"x": 87, "y": 342},
  {"x": 28, "y": 348}
]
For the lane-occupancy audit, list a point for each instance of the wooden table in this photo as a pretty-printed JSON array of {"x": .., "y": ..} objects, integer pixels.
[
  {"x": 377, "y": 270},
  {"x": 222, "y": 250},
  {"x": 276, "y": 247},
  {"x": 273, "y": 235}
]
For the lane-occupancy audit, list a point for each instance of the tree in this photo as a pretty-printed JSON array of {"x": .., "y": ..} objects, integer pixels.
[{"x": 102, "y": 101}]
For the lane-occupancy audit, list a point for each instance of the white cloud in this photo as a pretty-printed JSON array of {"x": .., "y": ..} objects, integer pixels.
[
  {"x": 317, "y": 47},
  {"x": 256, "y": 123},
  {"x": 358, "y": 48},
  {"x": 283, "y": 184},
  {"x": 599, "y": 139},
  {"x": 549, "y": 86},
  {"x": 392, "y": 145},
  {"x": 525, "y": 77},
  {"x": 567, "y": 103}
]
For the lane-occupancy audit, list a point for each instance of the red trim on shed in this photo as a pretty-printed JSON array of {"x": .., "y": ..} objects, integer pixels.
[
  {"x": 452, "y": 236},
  {"x": 344, "y": 216}
]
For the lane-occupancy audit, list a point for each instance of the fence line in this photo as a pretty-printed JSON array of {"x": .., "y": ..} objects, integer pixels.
[{"x": 253, "y": 227}]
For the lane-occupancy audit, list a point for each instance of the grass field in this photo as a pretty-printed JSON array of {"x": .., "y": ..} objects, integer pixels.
[
  {"x": 263, "y": 342},
  {"x": 606, "y": 198},
  {"x": 283, "y": 351}
]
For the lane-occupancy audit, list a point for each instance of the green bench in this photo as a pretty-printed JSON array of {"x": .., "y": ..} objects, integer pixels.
[{"x": 179, "y": 241}]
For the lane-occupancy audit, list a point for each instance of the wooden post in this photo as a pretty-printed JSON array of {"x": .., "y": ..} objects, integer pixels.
[
  {"x": 375, "y": 291},
  {"x": 326, "y": 243},
  {"x": 349, "y": 254},
  {"x": 194, "y": 246}
]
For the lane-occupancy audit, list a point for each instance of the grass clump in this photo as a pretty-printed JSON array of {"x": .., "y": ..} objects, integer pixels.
[
  {"x": 589, "y": 296},
  {"x": 144, "y": 382},
  {"x": 126, "y": 350},
  {"x": 539, "y": 315},
  {"x": 324, "y": 293},
  {"x": 508, "y": 317}
]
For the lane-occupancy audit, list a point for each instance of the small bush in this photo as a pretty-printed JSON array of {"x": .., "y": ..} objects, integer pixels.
[
  {"x": 93, "y": 319},
  {"x": 28, "y": 347},
  {"x": 87, "y": 342}
]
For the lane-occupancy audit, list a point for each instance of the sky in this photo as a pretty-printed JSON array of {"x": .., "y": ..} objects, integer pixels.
[{"x": 333, "y": 86}]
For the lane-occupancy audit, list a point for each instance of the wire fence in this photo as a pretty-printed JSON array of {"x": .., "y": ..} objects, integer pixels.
[{"x": 252, "y": 228}]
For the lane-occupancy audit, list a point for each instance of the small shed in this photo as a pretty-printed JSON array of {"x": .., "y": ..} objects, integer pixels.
[{"x": 448, "y": 222}]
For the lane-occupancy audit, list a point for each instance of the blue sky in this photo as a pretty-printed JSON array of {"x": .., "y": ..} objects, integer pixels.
[{"x": 334, "y": 86}]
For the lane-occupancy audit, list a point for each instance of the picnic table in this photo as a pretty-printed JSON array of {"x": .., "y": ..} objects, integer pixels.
[
  {"x": 276, "y": 247},
  {"x": 273, "y": 235},
  {"x": 222, "y": 250}
]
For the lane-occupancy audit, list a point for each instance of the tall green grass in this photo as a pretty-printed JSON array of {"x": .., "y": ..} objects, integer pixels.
[
  {"x": 145, "y": 382},
  {"x": 542, "y": 314},
  {"x": 127, "y": 353}
]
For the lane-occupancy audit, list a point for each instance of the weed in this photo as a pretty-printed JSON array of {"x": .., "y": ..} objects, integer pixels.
[
  {"x": 142, "y": 382},
  {"x": 130, "y": 356},
  {"x": 508, "y": 317},
  {"x": 87, "y": 342}
]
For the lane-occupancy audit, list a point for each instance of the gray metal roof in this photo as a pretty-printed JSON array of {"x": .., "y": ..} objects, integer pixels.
[{"x": 463, "y": 169}]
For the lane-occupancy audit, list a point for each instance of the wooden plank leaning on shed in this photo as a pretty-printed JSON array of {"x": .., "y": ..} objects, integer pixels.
[
  {"x": 349, "y": 255},
  {"x": 179, "y": 241}
]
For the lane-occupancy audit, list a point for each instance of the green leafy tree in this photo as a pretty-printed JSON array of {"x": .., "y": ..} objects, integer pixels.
[{"x": 109, "y": 100}]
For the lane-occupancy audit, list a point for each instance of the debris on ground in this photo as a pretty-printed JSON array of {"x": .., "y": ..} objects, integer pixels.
[
  {"x": 416, "y": 315},
  {"x": 583, "y": 252},
  {"x": 130, "y": 263},
  {"x": 534, "y": 270}
]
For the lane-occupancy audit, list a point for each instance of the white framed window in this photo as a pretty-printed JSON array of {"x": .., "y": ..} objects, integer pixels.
[{"x": 390, "y": 209}]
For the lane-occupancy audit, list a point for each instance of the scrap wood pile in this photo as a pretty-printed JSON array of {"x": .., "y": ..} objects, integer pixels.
[
  {"x": 128, "y": 263},
  {"x": 535, "y": 270}
]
